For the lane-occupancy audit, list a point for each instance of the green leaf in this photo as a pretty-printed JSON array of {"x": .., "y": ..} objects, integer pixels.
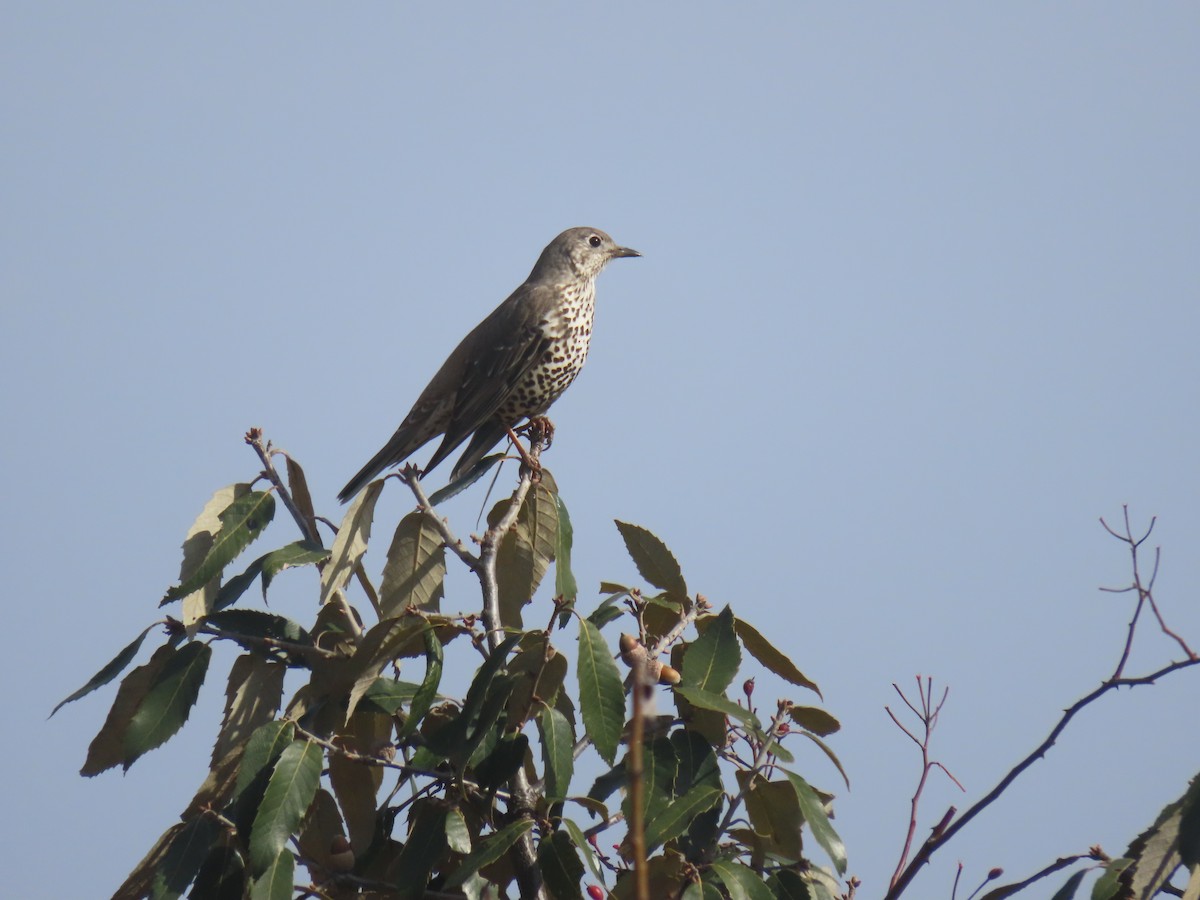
[
  {"x": 110, "y": 671},
  {"x": 379, "y": 646},
  {"x": 814, "y": 814},
  {"x": 252, "y": 697},
  {"x": 564, "y": 578},
  {"x": 275, "y": 882},
  {"x": 717, "y": 702},
  {"x": 815, "y": 720},
  {"x": 712, "y": 660},
  {"x": 291, "y": 789},
  {"x": 789, "y": 885},
  {"x": 198, "y": 542},
  {"x": 762, "y": 650},
  {"x": 702, "y": 890},
  {"x": 675, "y": 818},
  {"x": 774, "y": 814},
  {"x": 742, "y": 882},
  {"x": 386, "y": 695},
  {"x": 653, "y": 560},
  {"x": 491, "y": 849},
  {"x": 607, "y": 611},
  {"x": 560, "y": 866},
  {"x": 241, "y": 522},
  {"x": 458, "y": 835},
  {"x": 1067, "y": 891},
  {"x": 526, "y": 551},
  {"x": 426, "y": 694},
  {"x": 351, "y": 541},
  {"x": 298, "y": 485},
  {"x": 502, "y": 761},
  {"x": 254, "y": 623},
  {"x": 188, "y": 850},
  {"x": 558, "y": 758},
  {"x": 1108, "y": 885},
  {"x": 829, "y": 753},
  {"x": 231, "y": 591},
  {"x": 582, "y": 845},
  {"x": 262, "y": 750},
  {"x": 415, "y": 571},
  {"x": 423, "y": 849},
  {"x": 471, "y": 476},
  {"x": 601, "y": 694},
  {"x": 460, "y": 737},
  {"x": 169, "y": 701},
  {"x": 290, "y": 556}
]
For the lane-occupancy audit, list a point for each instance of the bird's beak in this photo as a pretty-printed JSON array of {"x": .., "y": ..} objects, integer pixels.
[{"x": 624, "y": 251}]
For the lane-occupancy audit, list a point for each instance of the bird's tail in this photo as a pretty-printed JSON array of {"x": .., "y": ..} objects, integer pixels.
[{"x": 402, "y": 445}]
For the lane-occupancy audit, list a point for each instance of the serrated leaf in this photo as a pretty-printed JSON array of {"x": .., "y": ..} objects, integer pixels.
[
  {"x": 241, "y": 522},
  {"x": 168, "y": 702},
  {"x": 299, "y": 553},
  {"x": 558, "y": 758},
  {"x": 767, "y": 654},
  {"x": 415, "y": 571},
  {"x": 526, "y": 551},
  {"x": 1108, "y": 885},
  {"x": 291, "y": 789},
  {"x": 564, "y": 579},
  {"x": 254, "y": 623},
  {"x": 582, "y": 845},
  {"x": 607, "y": 611},
  {"x": 675, "y": 818},
  {"x": 262, "y": 750},
  {"x": 197, "y": 544},
  {"x": 654, "y": 561},
  {"x": 222, "y": 876},
  {"x": 742, "y": 882},
  {"x": 321, "y": 826},
  {"x": 355, "y": 785},
  {"x": 560, "y": 866},
  {"x": 275, "y": 882},
  {"x": 386, "y": 695},
  {"x": 490, "y": 850},
  {"x": 189, "y": 848},
  {"x": 351, "y": 541},
  {"x": 423, "y": 849},
  {"x": 818, "y": 822},
  {"x": 426, "y": 694},
  {"x": 719, "y": 703},
  {"x": 290, "y": 556},
  {"x": 111, "y": 670},
  {"x": 252, "y": 697},
  {"x": 815, "y": 720},
  {"x": 712, "y": 660},
  {"x": 601, "y": 694},
  {"x": 379, "y": 646}
]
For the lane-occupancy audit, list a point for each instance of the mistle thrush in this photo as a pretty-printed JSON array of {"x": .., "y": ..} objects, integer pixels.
[{"x": 512, "y": 366}]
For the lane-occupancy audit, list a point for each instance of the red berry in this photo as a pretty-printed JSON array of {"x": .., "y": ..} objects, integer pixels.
[{"x": 595, "y": 892}]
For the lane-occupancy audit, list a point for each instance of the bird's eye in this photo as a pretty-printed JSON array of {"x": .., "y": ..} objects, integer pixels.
[{"x": 594, "y": 240}]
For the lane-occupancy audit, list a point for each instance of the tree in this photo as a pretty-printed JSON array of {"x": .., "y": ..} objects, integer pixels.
[{"x": 377, "y": 785}]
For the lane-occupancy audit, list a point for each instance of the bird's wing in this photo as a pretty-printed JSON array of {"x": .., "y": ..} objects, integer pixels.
[{"x": 510, "y": 343}]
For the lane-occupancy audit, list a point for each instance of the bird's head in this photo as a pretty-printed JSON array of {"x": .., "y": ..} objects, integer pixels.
[{"x": 580, "y": 252}]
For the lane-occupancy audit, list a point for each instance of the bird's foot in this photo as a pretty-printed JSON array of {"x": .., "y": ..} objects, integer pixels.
[
  {"x": 540, "y": 430},
  {"x": 529, "y": 461}
]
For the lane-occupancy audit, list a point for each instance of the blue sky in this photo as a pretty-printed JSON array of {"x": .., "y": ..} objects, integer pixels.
[{"x": 918, "y": 305}]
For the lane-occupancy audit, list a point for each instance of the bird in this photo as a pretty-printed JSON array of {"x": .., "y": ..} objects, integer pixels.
[{"x": 512, "y": 366}]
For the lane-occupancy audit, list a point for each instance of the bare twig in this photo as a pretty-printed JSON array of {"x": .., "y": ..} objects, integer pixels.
[
  {"x": 254, "y": 437},
  {"x": 927, "y": 715},
  {"x": 939, "y": 839}
]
